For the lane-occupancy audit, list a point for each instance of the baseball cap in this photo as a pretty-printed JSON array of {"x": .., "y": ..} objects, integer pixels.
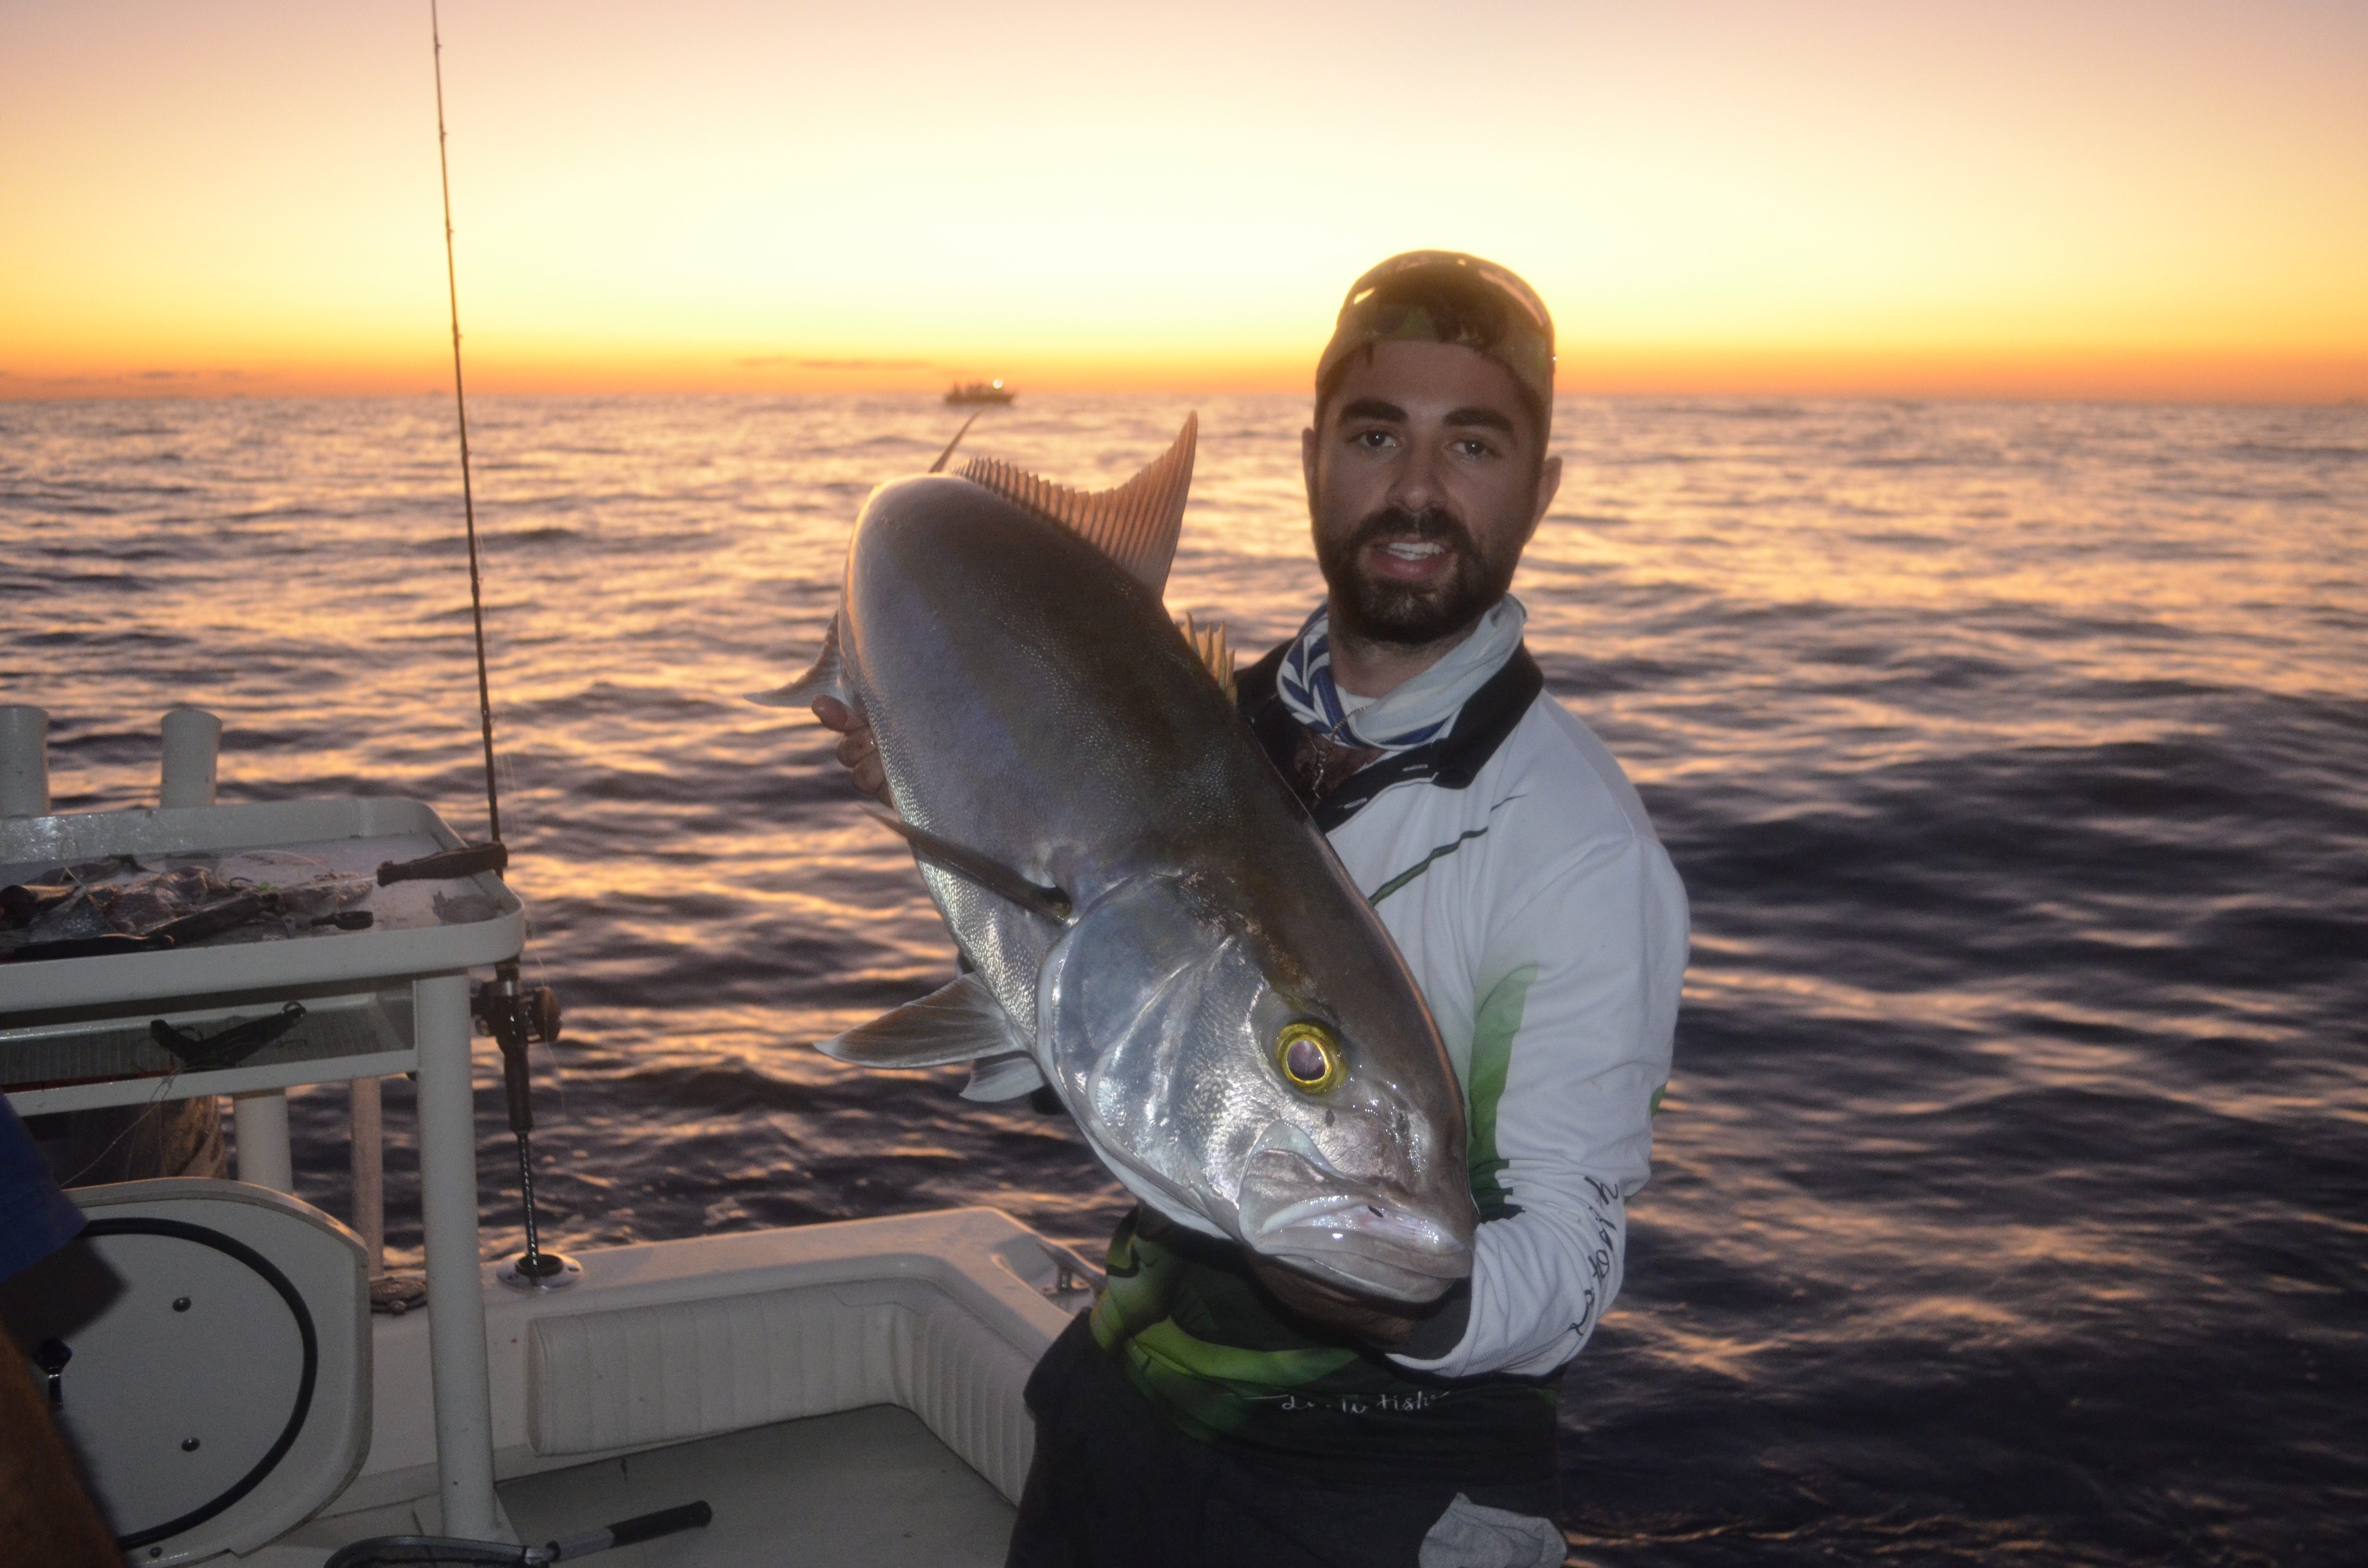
[{"x": 1442, "y": 296}]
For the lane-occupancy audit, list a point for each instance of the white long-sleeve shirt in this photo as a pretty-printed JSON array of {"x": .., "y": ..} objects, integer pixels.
[{"x": 1547, "y": 930}]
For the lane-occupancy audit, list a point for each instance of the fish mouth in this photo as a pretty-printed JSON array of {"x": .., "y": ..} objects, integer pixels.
[{"x": 1369, "y": 1238}]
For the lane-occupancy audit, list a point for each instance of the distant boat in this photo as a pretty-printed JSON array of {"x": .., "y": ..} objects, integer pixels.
[{"x": 980, "y": 391}]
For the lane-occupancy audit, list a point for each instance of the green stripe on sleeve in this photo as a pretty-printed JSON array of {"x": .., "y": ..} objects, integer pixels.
[{"x": 1492, "y": 1028}]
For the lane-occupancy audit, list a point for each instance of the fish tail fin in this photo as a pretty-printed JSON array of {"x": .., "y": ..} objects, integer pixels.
[
  {"x": 825, "y": 679},
  {"x": 1135, "y": 525}
]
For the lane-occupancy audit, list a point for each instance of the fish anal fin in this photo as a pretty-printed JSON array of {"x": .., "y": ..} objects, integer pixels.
[
  {"x": 824, "y": 681},
  {"x": 960, "y": 1022},
  {"x": 1135, "y": 525}
]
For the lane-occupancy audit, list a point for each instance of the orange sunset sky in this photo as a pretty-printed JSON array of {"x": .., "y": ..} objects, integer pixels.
[{"x": 2081, "y": 198}]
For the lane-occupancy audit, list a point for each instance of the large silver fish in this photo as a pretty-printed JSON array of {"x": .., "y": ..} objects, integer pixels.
[{"x": 1155, "y": 926}]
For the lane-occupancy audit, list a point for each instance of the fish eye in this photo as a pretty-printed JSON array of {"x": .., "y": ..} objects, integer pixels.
[{"x": 1309, "y": 1055}]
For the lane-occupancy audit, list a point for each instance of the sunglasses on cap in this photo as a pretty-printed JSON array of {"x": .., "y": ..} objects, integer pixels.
[{"x": 1487, "y": 275}]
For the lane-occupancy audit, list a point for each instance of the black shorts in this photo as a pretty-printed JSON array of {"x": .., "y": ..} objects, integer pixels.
[{"x": 1113, "y": 1485}]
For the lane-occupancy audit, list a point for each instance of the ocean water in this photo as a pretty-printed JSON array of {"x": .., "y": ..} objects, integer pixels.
[{"x": 2011, "y": 1196}]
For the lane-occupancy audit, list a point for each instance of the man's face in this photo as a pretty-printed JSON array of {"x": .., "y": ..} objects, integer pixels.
[{"x": 1424, "y": 482}]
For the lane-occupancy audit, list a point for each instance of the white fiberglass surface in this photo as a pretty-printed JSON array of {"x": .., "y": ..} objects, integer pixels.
[{"x": 861, "y": 1487}]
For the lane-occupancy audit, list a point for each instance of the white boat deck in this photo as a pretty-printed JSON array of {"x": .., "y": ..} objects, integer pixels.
[
  {"x": 846, "y": 1393},
  {"x": 865, "y": 1487},
  {"x": 838, "y": 1393}
]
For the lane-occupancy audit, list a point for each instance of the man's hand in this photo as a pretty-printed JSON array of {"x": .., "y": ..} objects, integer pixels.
[
  {"x": 857, "y": 750},
  {"x": 1368, "y": 1321}
]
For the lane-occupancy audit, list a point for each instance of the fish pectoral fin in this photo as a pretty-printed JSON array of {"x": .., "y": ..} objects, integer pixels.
[
  {"x": 1003, "y": 1079},
  {"x": 1135, "y": 525},
  {"x": 960, "y": 1022},
  {"x": 822, "y": 680},
  {"x": 987, "y": 871}
]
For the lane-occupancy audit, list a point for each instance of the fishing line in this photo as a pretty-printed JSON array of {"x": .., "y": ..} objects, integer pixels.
[{"x": 155, "y": 1103}]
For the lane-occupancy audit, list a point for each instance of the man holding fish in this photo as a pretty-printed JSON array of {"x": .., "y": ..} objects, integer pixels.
[{"x": 1366, "y": 993}]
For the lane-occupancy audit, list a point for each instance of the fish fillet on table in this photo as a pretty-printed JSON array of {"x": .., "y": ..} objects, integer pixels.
[{"x": 1154, "y": 926}]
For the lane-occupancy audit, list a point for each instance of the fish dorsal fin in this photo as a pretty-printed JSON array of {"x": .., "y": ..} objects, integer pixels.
[
  {"x": 1134, "y": 524},
  {"x": 1215, "y": 654}
]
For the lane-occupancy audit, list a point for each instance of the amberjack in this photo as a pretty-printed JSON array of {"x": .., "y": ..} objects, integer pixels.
[{"x": 1149, "y": 920}]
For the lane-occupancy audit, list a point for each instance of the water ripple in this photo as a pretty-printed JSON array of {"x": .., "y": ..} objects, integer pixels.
[{"x": 2010, "y": 1203}]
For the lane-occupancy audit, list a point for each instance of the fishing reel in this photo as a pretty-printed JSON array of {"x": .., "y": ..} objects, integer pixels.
[
  {"x": 503, "y": 1008},
  {"x": 517, "y": 1016}
]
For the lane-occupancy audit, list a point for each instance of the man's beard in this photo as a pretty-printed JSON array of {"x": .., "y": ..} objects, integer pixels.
[{"x": 1378, "y": 609}]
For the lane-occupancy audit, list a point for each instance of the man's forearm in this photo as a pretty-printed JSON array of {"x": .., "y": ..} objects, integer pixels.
[{"x": 1540, "y": 1281}]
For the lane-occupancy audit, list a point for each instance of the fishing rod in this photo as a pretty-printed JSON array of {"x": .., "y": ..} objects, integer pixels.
[
  {"x": 515, "y": 1015},
  {"x": 460, "y": 407}
]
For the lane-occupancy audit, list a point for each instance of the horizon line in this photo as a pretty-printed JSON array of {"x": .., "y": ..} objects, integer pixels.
[
  {"x": 2234, "y": 376},
  {"x": 129, "y": 390}
]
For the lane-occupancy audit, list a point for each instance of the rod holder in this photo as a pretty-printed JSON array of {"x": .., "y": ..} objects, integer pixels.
[
  {"x": 23, "y": 761},
  {"x": 192, "y": 753}
]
